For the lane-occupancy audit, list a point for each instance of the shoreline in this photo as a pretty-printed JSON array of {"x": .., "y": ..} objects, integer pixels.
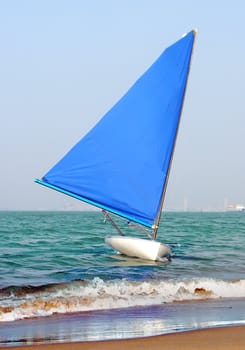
[
  {"x": 232, "y": 337},
  {"x": 127, "y": 324}
]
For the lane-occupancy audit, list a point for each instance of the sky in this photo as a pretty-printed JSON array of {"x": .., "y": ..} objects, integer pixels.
[{"x": 63, "y": 64}]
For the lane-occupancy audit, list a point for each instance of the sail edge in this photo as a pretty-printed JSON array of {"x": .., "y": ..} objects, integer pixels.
[{"x": 88, "y": 201}]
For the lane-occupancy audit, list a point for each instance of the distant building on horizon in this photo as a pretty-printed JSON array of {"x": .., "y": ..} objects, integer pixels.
[{"x": 235, "y": 207}]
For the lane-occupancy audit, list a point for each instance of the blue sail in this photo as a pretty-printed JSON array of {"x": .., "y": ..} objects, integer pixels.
[{"x": 122, "y": 164}]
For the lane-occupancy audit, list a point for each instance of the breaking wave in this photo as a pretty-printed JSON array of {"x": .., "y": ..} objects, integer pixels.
[{"x": 97, "y": 294}]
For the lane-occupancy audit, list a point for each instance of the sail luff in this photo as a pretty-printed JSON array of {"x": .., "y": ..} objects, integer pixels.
[{"x": 158, "y": 218}]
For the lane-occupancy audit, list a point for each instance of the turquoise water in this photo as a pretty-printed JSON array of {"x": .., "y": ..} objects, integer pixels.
[
  {"x": 57, "y": 263},
  {"x": 45, "y": 247}
]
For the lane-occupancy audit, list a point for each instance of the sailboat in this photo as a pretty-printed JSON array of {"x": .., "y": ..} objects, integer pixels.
[{"x": 122, "y": 164}]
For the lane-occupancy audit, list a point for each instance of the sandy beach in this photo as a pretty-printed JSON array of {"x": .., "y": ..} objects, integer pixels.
[{"x": 209, "y": 339}]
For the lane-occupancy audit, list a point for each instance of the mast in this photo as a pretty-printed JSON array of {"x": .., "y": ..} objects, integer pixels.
[{"x": 158, "y": 218}]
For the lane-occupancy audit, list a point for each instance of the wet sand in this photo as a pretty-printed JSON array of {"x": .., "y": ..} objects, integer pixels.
[
  {"x": 232, "y": 338},
  {"x": 210, "y": 324}
]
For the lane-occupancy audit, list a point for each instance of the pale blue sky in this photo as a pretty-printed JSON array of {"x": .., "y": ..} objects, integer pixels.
[{"x": 63, "y": 64}]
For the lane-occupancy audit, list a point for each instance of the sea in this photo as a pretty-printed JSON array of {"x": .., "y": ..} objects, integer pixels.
[{"x": 60, "y": 282}]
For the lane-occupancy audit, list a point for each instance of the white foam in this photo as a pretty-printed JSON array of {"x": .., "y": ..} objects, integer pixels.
[{"x": 99, "y": 294}]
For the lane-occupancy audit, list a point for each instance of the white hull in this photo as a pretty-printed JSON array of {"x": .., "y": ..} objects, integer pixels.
[{"x": 138, "y": 247}]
